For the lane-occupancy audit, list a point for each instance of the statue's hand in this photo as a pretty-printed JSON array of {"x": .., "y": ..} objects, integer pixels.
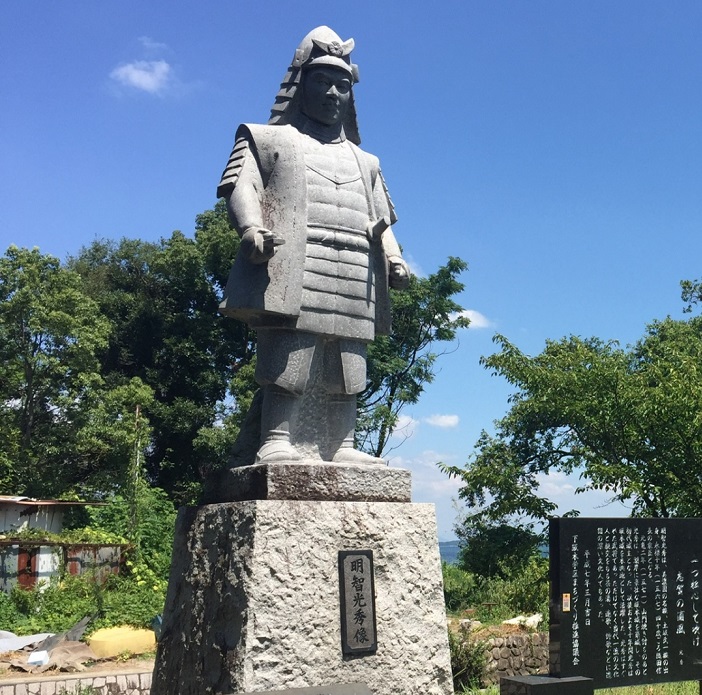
[
  {"x": 399, "y": 273},
  {"x": 258, "y": 244}
]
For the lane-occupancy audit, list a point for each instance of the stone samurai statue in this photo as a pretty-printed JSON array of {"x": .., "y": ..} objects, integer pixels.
[{"x": 316, "y": 258}]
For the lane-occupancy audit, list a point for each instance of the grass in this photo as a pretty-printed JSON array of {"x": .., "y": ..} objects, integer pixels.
[{"x": 686, "y": 688}]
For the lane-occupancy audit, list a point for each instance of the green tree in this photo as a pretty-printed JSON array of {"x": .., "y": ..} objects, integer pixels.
[
  {"x": 161, "y": 301},
  {"x": 691, "y": 293},
  {"x": 402, "y": 364},
  {"x": 496, "y": 549},
  {"x": 628, "y": 420},
  {"x": 153, "y": 539},
  {"x": 50, "y": 334}
]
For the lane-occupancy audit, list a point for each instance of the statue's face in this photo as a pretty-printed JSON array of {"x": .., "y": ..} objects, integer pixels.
[{"x": 326, "y": 93}]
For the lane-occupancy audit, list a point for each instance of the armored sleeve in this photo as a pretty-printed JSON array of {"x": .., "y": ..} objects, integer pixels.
[
  {"x": 231, "y": 172},
  {"x": 242, "y": 185},
  {"x": 381, "y": 198}
]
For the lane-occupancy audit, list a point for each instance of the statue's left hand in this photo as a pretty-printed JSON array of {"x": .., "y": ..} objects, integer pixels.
[
  {"x": 258, "y": 244},
  {"x": 399, "y": 273}
]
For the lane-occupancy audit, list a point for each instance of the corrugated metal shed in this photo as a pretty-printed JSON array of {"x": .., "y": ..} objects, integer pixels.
[
  {"x": 17, "y": 513},
  {"x": 31, "y": 501},
  {"x": 28, "y": 562}
]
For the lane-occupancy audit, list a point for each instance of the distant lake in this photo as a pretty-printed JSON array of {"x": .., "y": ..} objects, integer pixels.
[{"x": 449, "y": 551}]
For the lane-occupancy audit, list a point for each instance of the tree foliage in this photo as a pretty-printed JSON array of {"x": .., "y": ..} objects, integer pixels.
[
  {"x": 628, "y": 420},
  {"x": 402, "y": 364},
  {"x": 161, "y": 302},
  {"x": 491, "y": 549},
  {"x": 691, "y": 293},
  {"x": 156, "y": 521},
  {"x": 121, "y": 353},
  {"x": 56, "y": 414}
]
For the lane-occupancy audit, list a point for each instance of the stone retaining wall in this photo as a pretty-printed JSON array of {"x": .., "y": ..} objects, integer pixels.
[
  {"x": 69, "y": 683},
  {"x": 516, "y": 655}
]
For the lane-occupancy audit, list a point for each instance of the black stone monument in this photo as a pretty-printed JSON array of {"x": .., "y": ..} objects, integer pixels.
[{"x": 626, "y": 602}]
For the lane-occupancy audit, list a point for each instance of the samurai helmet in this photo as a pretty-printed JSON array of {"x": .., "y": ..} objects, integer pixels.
[{"x": 321, "y": 46}]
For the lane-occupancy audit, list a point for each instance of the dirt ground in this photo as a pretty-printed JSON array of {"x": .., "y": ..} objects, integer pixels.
[{"x": 488, "y": 631}]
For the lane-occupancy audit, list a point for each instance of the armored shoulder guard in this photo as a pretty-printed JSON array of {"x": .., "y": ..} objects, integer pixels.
[
  {"x": 232, "y": 170},
  {"x": 391, "y": 206}
]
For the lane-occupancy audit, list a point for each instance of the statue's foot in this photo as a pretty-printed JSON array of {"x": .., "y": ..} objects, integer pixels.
[
  {"x": 276, "y": 451},
  {"x": 349, "y": 455}
]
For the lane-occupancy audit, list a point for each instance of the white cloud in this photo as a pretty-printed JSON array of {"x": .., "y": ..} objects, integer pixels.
[
  {"x": 561, "y": 489},
  {"x": 414, "y": 266},
  {"x": 477, "y": 320},
  {"x": 555, "y": 485},
  {"x": 429, "y": 484},
  {"x": 150, "y": 45},
  {"x": 152, "y": 76},
  {"x": 427, "y": 460},
  {"x": 405, "y": 427},
  {"x": 443, "y": 487},
  {"x": 443, "y": 421}
]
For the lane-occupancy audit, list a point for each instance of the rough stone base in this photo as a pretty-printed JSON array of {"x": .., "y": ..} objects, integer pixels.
[
  {"x": 313, "y": 480},
  {"x": 253, "y": 599}
]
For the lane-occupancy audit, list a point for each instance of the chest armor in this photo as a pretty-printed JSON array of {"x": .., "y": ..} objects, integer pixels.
[
  {"x": 338, "y": 296},
  {"x": 336, "y": 196}
]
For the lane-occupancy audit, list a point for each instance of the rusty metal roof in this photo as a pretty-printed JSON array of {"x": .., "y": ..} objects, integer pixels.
[{"x": 31, "y": 501}]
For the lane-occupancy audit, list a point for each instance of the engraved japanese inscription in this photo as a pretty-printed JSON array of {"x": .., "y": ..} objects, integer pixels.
[
  {"x": 357, "y": 594},
  {"x": 626, "y": 603}
]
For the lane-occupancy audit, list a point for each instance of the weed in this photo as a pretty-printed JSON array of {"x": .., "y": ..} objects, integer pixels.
[
  {"x": 684, "y": 688},
  {"x": 468, "y": 662}
]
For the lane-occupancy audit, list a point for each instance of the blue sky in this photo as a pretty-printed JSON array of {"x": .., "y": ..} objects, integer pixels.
[{"x": 555, "y": 146}]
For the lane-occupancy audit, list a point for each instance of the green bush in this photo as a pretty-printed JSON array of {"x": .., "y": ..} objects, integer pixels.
[
  {"x": 528, "y": 591},
  {"x": 9, "y": 615},
  {"x": 126, "y": 601},
  {"x": 495, "y": 599},
  {"x": 155, "y": 525},
  {"x": 468, "y": 663},
  {"x": 496, "y": 549},
  {"x": 60, "y": 604},
  {"x": 459, "y": 587},
  {"x": 54, "y": 606}
]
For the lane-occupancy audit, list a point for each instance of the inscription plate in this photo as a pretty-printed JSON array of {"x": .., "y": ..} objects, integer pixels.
[
  {"x": 357, "y": 594},
  {"x": 626, "y": 600}
]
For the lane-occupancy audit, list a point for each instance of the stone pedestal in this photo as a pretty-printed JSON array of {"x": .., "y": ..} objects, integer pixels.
[
  {"x": 254, "y": 599},
  {"x": 313, "y": 480}
]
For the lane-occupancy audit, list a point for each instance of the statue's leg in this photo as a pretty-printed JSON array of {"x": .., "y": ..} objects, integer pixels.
[
  {"x": 342, "y": 416},
  {"x": 278, "y": 411},
  {"x": 283, "y": 365},
  {"x": 345, "y": 377}
]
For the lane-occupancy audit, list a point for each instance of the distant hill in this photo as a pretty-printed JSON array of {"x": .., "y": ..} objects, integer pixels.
[{"x": 449, "y": 551}]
